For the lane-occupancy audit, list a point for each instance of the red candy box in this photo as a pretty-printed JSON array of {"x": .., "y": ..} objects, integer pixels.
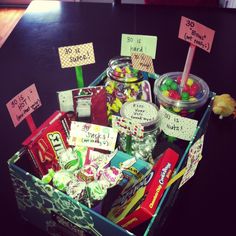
[{"x": 47, "y": 142}]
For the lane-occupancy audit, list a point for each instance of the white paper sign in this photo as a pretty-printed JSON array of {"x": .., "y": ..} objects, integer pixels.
[
  {"x": 194, "y": 156},
  {"x": 177, "y": 126},
  {"x": 65, "y": 99},
  {"x": 90, "y": 135}
]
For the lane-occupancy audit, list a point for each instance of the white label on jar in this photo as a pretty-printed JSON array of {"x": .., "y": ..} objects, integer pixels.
[
  {"x": 140, "y": 111},
  {"x": 127, "y": 126},
  {"x": 177, "y": 126}
]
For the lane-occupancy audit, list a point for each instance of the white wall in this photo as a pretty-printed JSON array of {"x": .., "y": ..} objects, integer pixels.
[
  {"x": 101, "y": 1},
  {"x": 228, "y": 3}
]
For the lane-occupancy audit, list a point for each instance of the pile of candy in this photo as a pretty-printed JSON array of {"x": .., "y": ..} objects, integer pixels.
[
  {"x": 191, "y": 92},
  {"x": 124, "y": 84},
  {"x": 85, "y": 175},
  {"x": 141, "y": 149}
]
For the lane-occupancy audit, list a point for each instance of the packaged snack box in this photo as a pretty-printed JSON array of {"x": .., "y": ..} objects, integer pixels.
[
  {"x": 138, "y": 203},
  {"x": 47, "y": 142}
]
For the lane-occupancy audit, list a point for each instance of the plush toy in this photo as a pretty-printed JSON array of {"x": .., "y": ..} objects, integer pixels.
[{"x": 224, "y": 105}]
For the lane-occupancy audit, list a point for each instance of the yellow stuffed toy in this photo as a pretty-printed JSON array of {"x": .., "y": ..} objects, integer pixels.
[{"x": 224, "y": 105}]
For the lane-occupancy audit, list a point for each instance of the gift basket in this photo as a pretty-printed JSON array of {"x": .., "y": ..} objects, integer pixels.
[
  {"x": 76, "y": 173},
  {"x": 114, "y": 155}
]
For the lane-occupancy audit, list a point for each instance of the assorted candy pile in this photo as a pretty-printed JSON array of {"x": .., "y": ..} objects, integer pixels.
[
  {"x": 191, "y": 92},
  {"x": 124, "y": 84},
  {"x": 85, "y": 175}
]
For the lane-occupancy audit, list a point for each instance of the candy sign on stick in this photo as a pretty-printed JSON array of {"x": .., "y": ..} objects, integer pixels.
[
  {"x": 142, "y": 62},
  {"x": 76, "y": 56},
  {"x": 177, "y": 126},
  {"x": 23, "y": 104},
  {"x": 90, "y": 135},
  {"x": 196, "y": 33},
  {"x": 138, "y": 43},
  {"x": 194, "y": 156}
]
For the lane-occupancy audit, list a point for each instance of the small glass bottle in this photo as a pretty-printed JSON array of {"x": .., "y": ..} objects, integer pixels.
[
  {"x": 124, "y": 83},
  {"x": 146, "y": 114}
]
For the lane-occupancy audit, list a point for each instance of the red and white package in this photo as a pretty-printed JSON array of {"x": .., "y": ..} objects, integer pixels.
[{"x": 47, "y": 142}]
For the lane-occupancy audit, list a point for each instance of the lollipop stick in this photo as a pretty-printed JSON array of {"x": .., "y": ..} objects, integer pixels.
[
  {"x": 128, "y": 143},
  {"x": 79, "y": 76},
  {"x": 31, "y": 123},
  {"x": 187, "y": 66}
]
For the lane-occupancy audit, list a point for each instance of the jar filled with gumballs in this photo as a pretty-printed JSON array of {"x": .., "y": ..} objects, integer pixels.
[
  {"x": 124, "y": 84},
  {"x": 147, "y": 114}
]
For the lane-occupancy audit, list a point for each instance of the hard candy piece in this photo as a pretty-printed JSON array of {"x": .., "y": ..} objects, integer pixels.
[
  {"x": 86, "y": 174},
  {"x": 190, "y": 82},
  {"x": 174, "y": 94},
  {"x": 61, "y": 179},
  {"x": 96, "y": 190},
  {"x": 185, "y": 96},
  {"x": 168, "y": 82},
  {"x": 76, "y": 189}
]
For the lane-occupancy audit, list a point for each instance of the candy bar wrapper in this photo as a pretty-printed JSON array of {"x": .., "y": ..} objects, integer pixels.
[
  {"x": 48, "y": 141},
  {"x": 90, "y": 105},
  {"x": 139, "y": 202}
]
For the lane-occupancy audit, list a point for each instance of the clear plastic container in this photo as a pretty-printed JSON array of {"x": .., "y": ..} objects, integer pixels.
[
  {"x": 167, "y": 93},
  {"x": 124, "y": 83}
]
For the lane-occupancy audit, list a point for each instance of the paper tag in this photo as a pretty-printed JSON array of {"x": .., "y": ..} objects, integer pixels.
[
  {"x": 77, "y": 55},
  {"x": 141, "y": 112},
  {"x": 127, "y": 126},
  {"x": 23, "y": 104},
  {"x": 142, "y": 62},
  {"x": 177, "y": 126},
  {"x": 196, "y": 33},
  {"x": 132, "y": 43},
  {"x": 194, "y": 156},
  {"x": 65, "y": 99},
  {"x": 90, "y": 135}
]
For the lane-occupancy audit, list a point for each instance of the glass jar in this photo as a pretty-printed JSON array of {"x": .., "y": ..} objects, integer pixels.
[
  {"x": 146, "y": 114},
  {"x": 124, "y": 83}
]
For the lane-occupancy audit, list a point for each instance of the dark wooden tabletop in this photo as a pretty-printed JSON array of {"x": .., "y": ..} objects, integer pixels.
[{"x": 30, "y": 55}]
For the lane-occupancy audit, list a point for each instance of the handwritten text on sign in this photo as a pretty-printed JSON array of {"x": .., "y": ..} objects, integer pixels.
[
  {"x": 131, "y": 43},
  {"x": 76, "y": 55},
  {"x": 177, "y": 126},
  {"x": 194, "y": 156},
  {"x": 196, "y": 33},
  {"x": 127, "y": 126},
  {"x": 90, "y": 135},
  {"x": 142, "y": 62},
  {"x": 23, "y": 104}
]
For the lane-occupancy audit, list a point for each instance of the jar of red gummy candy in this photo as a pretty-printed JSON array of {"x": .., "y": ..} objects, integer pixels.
[
  {"x": 124, "y": 83},
  {"x": 193, "y": 96}
]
